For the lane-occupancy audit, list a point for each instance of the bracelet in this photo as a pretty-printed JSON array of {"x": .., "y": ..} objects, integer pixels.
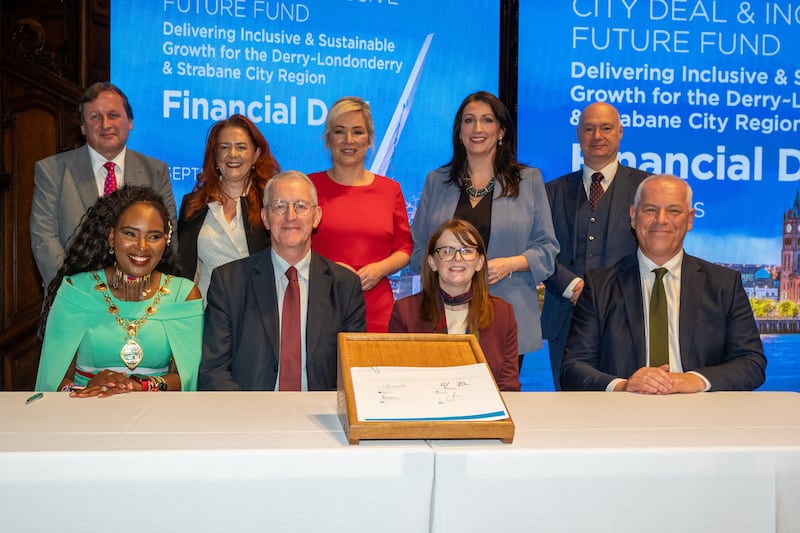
[
  {"x": 160, "y": 384},
  {"x": 151, "y": 383},
  {"x": 144, "y": 381}
]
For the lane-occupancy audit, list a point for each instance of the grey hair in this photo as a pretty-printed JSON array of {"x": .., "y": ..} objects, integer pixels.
[
  {"x": 662, "y": 177},
  {"x": 288, "y": 174}
]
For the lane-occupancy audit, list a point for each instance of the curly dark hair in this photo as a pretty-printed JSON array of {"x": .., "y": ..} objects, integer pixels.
[
  {"x": 88, "y": 249},
  {"x": 506, "y": 167}
]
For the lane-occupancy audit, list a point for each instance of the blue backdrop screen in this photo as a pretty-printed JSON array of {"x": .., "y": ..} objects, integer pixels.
[
  {"x": 185, "y": 64},
  {"x": 708, "y": 90}
]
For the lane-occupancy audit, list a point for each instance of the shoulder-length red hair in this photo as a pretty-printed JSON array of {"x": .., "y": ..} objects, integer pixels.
[{"x": 207, "y": 188}]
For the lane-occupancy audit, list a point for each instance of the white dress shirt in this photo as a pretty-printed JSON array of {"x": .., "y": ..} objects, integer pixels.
[
  {"x": 608, "y": 172},
  {"x": 100, "y": 172},
  {"x": 219, "y": 242}
]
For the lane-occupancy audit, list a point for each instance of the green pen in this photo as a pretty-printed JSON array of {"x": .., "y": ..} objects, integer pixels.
[{"x": 34, "y": 398}]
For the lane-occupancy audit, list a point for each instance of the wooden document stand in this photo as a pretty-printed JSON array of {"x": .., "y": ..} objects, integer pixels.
[{"x": 410, "y": 349}]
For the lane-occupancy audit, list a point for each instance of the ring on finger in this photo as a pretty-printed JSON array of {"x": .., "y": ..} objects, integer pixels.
[{"x": 103, "y": 388}]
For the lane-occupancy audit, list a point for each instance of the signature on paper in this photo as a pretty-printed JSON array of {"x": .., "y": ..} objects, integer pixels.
[{"x": 448, "y": 391}]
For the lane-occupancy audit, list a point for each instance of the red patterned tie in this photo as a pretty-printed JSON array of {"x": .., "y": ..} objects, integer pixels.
[
  {"x": 110, "y": 185},
  {"x": 596, "y": 190},
  {"x": 290, "y": 335}
]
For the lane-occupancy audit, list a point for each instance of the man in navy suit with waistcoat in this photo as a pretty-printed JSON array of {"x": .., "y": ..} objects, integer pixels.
[{"x": 593, "y": 231}]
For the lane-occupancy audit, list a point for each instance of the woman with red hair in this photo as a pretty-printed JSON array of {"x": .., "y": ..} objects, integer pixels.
[{"x": 220, "y": 220}]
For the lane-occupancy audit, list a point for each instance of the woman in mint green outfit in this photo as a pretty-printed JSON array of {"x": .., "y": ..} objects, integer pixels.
[{"x": 116, "y": 319}]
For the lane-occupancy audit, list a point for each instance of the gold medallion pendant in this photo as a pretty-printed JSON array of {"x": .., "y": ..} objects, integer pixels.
[{"x": 131, "y": 354}]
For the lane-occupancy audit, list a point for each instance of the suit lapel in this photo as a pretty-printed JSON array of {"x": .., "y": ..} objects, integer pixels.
[
  {"x": 631, "y": 287},
  {"x": 263, "y": 286},
  {"x": 257, "y": 238},
  {"x": 620, "y": 206},
  {"x": 83, "y": 176},
  {"x": 134, "y": 171},
  {"x": 319, "y": 287},
  {"x": 572, "y": 199},
  {"x": 692, "y": 281}
]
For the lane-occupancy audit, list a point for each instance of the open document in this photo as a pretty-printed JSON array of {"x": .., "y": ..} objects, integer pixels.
[{"x": 384, "y": 393}]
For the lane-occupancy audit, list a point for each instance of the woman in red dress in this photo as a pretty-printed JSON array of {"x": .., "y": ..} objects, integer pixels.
[{"x": 364, "y": 223}]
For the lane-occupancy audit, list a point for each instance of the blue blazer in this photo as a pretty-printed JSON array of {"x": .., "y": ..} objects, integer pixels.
[
  {"x": 565, "y": 194},
  {"x": 65, "y": 188},
  {"x": 718, "y": 333},
  {"x": 520, "y": 226},
  {"x": 241, "y": 340}
]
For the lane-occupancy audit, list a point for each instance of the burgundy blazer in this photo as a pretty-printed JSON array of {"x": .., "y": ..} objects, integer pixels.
[{"x": 498, "y": 341}]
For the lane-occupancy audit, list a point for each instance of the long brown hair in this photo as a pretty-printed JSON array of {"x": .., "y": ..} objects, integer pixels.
[
  {"x": 208, "y": 188},
  {"x": 506, "y": 167},
  {"x": 481, "y": 310}
]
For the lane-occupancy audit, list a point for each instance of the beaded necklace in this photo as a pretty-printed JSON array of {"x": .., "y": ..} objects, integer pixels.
[
  {"x": 478, "y": 193},
  {"x": 131, "y": 352},
  {"x": 135, "y": 288}
]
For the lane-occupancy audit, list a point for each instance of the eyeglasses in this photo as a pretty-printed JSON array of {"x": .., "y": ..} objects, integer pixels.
[
  {"x": 281, "y": 207},
  {"x": 448, "y": 253}
]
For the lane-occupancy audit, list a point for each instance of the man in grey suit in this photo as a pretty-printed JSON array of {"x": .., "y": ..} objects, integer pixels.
[
  {"x": 243, "y": 340},
  {"x": 67, "y": 184},
  {"x": 590, "y": 236},
  {"x": 708, "y": 336}
]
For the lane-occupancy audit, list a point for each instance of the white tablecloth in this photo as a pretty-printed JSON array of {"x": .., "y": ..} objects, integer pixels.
[
  {"x": 202, "y": 462},
  {"x": 718, "y": 462},
  {"x": 611, "y": 462}
]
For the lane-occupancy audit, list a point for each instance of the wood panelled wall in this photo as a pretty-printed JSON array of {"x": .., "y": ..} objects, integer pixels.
[{"x": 50, "y": 50}]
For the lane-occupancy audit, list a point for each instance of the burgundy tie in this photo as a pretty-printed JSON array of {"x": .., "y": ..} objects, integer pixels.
[
  {"x": 110, "y": 185},
  {"x": 596, "y": 190},
  {"x": 290, "y": 335}
]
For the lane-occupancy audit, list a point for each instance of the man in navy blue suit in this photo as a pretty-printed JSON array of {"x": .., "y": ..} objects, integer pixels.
[
  {"x": 712, "y": 339},
  {"x": 591, "y": 235},
  {"x": 243, "y": 325}
]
